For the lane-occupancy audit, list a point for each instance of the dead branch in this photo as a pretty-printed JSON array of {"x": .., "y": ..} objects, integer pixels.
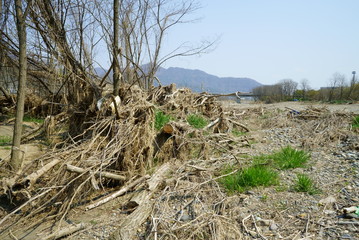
[
  {"x": 129, "y": 226},
  {"x": 117, "y": 193},
  {"x": 239, "y": 124},
  {"x": 345, "y": 223},
  {"x": 7, "y": 95},
  {"x": 211, "y": 124},
  {"x": 79, "y": 170},
  {"x": 23, "y": 205},
  {"x": 257, "y": 230},
  {"x": 31, "y": 179},
  {"x": 35, "y": 131},
  {"x": 65, "y": 231}
]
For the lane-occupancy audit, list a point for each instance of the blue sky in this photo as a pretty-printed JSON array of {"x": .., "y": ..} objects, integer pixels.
[{"x": 270, "y": 40}]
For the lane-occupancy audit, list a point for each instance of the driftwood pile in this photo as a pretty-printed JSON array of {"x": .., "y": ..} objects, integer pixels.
[
  {"x": 116, "y": 147},
  {"x": 319, "y": 127}
]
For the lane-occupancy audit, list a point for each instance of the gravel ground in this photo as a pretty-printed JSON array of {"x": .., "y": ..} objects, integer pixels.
[{"x": 354, "y": 108}]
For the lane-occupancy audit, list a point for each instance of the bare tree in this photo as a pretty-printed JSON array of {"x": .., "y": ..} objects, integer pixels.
[
  {"x": 16, "y": 160},
  {"x": 288, "y": 87},
  {"x": 143, "y": 26},
  {"x": 62, "y": 39},
  {"x": 341, "y": 84},
  {"x": 269, "y": 93},
  {"x": 116, "y": 63},
  {"x": 336, "y": 83},
  {"x": 304, "y": 85}
]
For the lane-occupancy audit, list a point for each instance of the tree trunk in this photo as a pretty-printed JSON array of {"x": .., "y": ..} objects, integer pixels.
[
  {"x": 116, "y": 66},
  {"x": 16, "y": 159},
  {"x": 1, "y": 11}
]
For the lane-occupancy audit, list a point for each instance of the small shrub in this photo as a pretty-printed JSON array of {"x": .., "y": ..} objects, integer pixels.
[
  {"x": 305, "y": 184},
  {"x": 290, "y": 158},
  {"x": 197, "y": 121},
  {"x": 355, "y": 122},
  {"x": 161, "y": 119},
  {"x": 247, "y": 178},
  {"x": 5, "y": 140}
]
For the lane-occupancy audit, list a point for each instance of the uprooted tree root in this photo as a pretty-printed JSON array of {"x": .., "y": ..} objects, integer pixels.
[{"x": 117, "y": 144}]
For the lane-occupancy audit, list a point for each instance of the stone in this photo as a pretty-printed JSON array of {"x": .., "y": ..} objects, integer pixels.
[
  {"x": 273, "y": 227},
  {"x": 329, "y": 212},
  {"x": 327, "y": 200},
  {"x": 346, "y": 236}
]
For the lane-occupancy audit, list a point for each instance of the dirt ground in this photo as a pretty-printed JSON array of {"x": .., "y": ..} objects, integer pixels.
[
  {"x": 354, "y": 108},
  {"x": 193, "y": 204},
  {"x": 30, "y": 150}
]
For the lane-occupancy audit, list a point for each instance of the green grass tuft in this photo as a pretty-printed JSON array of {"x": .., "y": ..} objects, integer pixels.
[
  {"x": 238, "y": 133},
  {"x": 5, "y": 140},
  {"x": 247, "y": 178},
  {"x": 290, "y": 158},
  {"x": 161, "y": 119},
  {"x": 197, "y": 121},
  {"x": 305, "y": 184},
  {"x": 355, "y": 122},
  {"x": 32, "y": 119}
]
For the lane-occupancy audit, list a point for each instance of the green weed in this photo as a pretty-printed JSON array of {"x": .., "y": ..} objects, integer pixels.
[
  {"x": 161, "y": 119},
  {"x": 93, "y": 222},
  {"x": 197, "y": 121},
  {"x": 32, "y": 119},
  {"x": 237, "y": 133},
  {"x": 5, "y": 140},
  {"x": 305, "y": 184},
  {"x": 289, "y": 157},
  {"x": 264, "y": 198},
  {"x": 355, "y": 122},
  {"x": 281, "y": 188},
  {"x": 249, "y": 177},
  {"x": 262, "y": 160}
]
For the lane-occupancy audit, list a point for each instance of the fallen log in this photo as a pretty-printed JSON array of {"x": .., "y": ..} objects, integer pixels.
[
  {"x": 117, "y": 193},
  {"x": 79, "y": 170},
  {"x": 239, "y": 124},
  {"x": 129, "y": 226},
  {"x": 32, "y": 178},
  {"x": 65, "y": 231},
  {"x": 14, "y": 184}
]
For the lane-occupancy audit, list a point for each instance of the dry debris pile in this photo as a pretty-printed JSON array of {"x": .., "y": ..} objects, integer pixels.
[
  {"x": 111, "y": 143},
  {"x": 313, "y": 127}
]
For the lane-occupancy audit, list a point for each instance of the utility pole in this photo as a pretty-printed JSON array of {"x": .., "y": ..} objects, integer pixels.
[{"x": 352, "y": 85}]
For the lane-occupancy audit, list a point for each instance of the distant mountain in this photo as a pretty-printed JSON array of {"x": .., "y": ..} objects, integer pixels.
[
  {"x": 100, "y": 71},
  {"x": 200, "y": 81}
]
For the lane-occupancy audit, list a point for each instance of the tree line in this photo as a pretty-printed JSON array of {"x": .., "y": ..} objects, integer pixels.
[{"x": 338, "y": 90}]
